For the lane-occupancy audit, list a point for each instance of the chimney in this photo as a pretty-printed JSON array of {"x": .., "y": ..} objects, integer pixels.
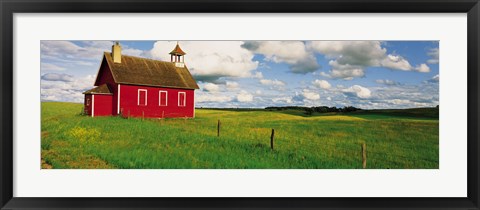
[{"x": 117, "y": 53}]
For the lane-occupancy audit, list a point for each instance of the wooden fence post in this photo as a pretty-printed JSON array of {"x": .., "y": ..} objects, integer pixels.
[
  {"x": 272, "y": 138},
  {"x": 218, "y": 128},
  {"x": 364, "y": 155}
]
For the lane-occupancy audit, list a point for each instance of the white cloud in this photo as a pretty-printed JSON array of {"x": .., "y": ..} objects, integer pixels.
[
  {"x": 244, "y": 96},
  {"x": 211, "y": 98},
  {"x": 311, "y": 95},
  {"x": 287, "y": 100},
  {"x": 349, "y": 59},
  {"x": 294, "y": 53},
  {"x": 70, "y": 91},
  {"x": 50, "y": 67},
  {"x": 75, "y": 55},
  {"x": 434, "y": 56},
  {"x": 405, "y": 96},
  {"x": 358, "y": 91},
  {"x": 386, "y": 82},
  {"x": 396, "y": 62},
  {"x": 210, "y": 87},
  {"x": 272, "y": 82},
  {"x": 354, "y": 53},
  {"x": 60, "y": 48},
  {"x": 307, "y": 95},
  {"x": 210, "y": 60},
  {"x": 89, "y": 50},
  {"x": 257, "y": 75},
  {"x": 232, "y": 85},
  {"x": 57, "y": 77},
  {"x": 321, "y": 84},
  {"x": 422, "y": 68},
  {"x": 434, "y": 79},
  {"x": 399, "y": 101}
]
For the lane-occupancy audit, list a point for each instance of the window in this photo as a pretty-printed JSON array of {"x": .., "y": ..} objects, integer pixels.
[
  {"x": 88, "y": 101},
  {"x": 182, "y": 99},
  {"x": 162, "y": 98},
  {"x": 142, "y": 97}
]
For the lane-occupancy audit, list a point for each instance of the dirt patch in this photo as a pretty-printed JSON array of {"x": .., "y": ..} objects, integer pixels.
[
  {"x": 44, "y": 134},
  {"x": 68, "y": 161},
  {"x": 88, "y": 162},
  {"x": 45, "y": 165}
]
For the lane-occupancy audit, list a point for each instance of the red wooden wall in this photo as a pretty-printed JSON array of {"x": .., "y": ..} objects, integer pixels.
[
  {"x": 129, "y": 102},
  {"x": 105, "y": 77},
  {"x": 102, "y": 105}
]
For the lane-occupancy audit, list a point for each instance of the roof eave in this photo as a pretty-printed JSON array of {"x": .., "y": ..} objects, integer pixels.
[
  {"x": 85, "y": 93},
  {"x": 165, "y": 86}
]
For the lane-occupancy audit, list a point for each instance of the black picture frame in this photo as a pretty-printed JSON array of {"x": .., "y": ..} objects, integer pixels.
[{"x": 10, "y": 7}]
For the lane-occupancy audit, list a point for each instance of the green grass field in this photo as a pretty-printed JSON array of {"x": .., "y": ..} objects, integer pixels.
[{"x": 329, "y": 141}]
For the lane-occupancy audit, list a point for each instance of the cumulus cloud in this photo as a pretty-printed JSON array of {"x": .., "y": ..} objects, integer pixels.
[
  {"x": 310, "y": 95},
  {"x": 386, "y": 82},
  {"x": 422, "y": 68},
  {"x": 57, "y": 77},
  {"x": 210, "y": 87},
  {"x": 321, "y": 84},
  {"x": 355, "y": 53},
  {"x": 272, "y": 82},
  {"x": 358, "y": 91},
  {"x": 396, "y": 62},
  {"x": 349, "y": 59},
  {"x": 434, "y": 56},
  {"x": 210, "y": 60},
  {"x": 244, "y": 96},
  {"x": 306, "y": 95},
  {"x": 345, "y": 71},
  {"x": 294, "y": 53}
]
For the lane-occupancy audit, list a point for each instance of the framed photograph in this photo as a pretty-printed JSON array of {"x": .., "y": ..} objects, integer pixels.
[{"x": 239, "y": 105}]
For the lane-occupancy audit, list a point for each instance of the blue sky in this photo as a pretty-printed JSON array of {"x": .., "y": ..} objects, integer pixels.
[{"x": 365, "y": 74}]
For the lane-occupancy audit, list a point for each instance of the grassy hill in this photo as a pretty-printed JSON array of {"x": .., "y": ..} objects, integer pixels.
[{"x": 70, "y": 140}]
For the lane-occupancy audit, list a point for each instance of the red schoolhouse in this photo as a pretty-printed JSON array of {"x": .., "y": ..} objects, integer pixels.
[{"x": 141, "y": 87}]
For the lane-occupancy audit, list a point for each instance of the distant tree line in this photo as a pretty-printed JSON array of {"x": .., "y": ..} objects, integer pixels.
[{"x": 318, "y": 109}]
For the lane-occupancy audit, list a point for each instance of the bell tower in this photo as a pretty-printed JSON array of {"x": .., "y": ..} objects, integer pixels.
[{"x": 177, "y": 56}]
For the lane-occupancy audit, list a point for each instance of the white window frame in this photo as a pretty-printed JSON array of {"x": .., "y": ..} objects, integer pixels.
[
  {"x": 138, "y": 97},
  {"x": 160, "y": 97},
  {"x": 184, "y": 99}
]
